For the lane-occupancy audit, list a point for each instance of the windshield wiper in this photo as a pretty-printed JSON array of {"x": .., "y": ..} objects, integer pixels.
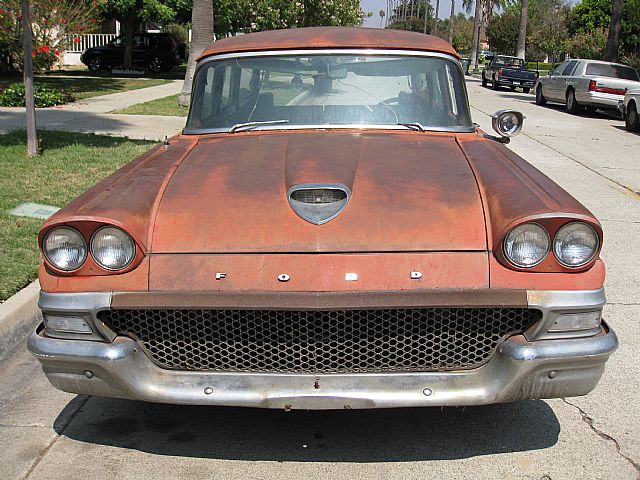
[
  {"x": 413, "y": 126},
  {"x": 238, "y": 127}
]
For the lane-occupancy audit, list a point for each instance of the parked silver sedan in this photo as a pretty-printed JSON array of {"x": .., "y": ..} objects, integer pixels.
[
  {"x": 589, "y": 84},
  {"x": 630, "y": 109}
]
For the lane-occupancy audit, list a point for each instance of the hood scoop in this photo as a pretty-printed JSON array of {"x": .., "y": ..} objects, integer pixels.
[{"x": 318, "y": 203}]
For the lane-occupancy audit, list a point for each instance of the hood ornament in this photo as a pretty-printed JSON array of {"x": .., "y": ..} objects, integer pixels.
[{"x": 318, "y": 203}]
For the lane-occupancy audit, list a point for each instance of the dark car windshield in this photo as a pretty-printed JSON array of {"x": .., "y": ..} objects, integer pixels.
[
  {"x": 513, "y": 62},
  {"x": 326, "y": 90},
  {"x": 612, "y": 70}
]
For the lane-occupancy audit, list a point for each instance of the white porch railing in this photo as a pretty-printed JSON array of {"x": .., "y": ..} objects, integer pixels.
[{"x": 85, "y": 41}]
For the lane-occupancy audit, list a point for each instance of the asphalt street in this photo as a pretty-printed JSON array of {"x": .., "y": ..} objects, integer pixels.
[{"x": 47, "y": 434}]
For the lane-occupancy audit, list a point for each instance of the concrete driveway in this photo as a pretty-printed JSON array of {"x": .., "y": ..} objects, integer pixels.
[{"x": 46, "y": 434}]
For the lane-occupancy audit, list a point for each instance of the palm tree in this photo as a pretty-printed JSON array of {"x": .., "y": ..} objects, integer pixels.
[
  {"x": 381, "y": 13},
  {"x": 453, "y": 7},
  {"x": 201, "y": 38},
  {"x": 522, "y": 30},
  {"x": 483, "y": 13},
  {"x": 615, "y": 29},
  {"x": 435, "y": 17}
]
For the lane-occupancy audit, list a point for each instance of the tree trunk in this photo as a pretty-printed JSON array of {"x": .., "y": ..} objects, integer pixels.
[
  {"x": 476, "y": 35},
  {"x": 451, "y": 16},
  {"x": 201, "y": 38},
  {"x": 129, "y": 25},
  {"x": 436, "y": 16},
  {"x": 522, "y": 30},
  {"x": 32, "y": 134},
  {"x": 426, "y": 15},
  {"x": 615, "y": 29}
]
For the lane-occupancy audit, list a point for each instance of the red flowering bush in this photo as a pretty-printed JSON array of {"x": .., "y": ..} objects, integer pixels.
[{"x": 51, "y": 21}]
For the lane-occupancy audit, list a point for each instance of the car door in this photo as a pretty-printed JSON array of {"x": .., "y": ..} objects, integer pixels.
[
  {"x": 139, "y": 49},
  {"x": 114, "y": 55},
  {"x": 564, "y": 79},
  {"x": 549, "y": 84}
]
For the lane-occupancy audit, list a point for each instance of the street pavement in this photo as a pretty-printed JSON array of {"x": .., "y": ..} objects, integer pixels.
[
  {"x": 92, "y": 115},
  {"x": 46, "y": 434}
]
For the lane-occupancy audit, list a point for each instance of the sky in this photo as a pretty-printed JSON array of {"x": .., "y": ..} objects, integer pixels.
[{"x": 376, "y": 5}]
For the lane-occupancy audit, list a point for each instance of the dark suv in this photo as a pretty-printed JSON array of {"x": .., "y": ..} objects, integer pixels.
[{"x": 156, "y": 51}]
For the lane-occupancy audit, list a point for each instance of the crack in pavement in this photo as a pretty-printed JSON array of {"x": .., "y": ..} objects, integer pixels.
[
  {"x": 44, "y": 452},
  {"x": 635, "y": 194},
  {"x": 590, "y": 422}
]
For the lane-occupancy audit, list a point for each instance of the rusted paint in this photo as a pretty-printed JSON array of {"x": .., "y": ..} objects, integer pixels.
[
  {"x": 127, "y": 199},
  {"x": 503, "y": 277},
  {"x": 410, "y": 192},
  {"x": 134, "y": 280},
  {"x": 323, "y": 300},
  {"x": 513, "y": 192},
  {"x": 313, "y": 272},
  {"x": 329, "y": 37}
]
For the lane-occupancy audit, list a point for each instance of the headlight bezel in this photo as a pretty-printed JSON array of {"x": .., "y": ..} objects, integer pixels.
[
  {"x": 90, "y": 267},
  {"x": 47, "y": 257},
  {"x": 542, "y": 259},
  {"x": 595, "y": 250},
  {"x": 126, "y": 234}
]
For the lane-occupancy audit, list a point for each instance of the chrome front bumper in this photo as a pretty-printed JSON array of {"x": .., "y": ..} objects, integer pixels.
[
  {"x": 519, "y": 370},
  {"x": 535, "y": 365}
]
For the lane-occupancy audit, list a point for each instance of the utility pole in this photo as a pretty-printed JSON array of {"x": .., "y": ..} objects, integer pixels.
[{"x": 32, "y": 134}]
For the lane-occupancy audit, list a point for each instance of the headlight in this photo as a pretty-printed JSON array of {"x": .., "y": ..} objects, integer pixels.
[
  {"x": 575, "y": 244},
  {"x": 64, "y": 248},
  {"x": 526, "y": 245},
  {"x": 507, "y": 123},
  {"x": 112, "y": 248}
]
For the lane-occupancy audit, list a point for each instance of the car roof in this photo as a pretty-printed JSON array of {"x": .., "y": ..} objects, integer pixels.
[
  {"x": 597, "y": 61},
  {"x": 330, "y": 37}
]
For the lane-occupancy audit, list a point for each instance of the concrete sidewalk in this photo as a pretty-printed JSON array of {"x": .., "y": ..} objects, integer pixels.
[{"x": 91, "y": 115}]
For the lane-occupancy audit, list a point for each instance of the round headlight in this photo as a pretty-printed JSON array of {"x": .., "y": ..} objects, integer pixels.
[
  {"x": 507, "y": 123},
  {"x": 575, "y": 244},
  {"x": 64, "y": 248},
  {"x": 112, "y": 248},
  {"x": 526, "y": 245}
]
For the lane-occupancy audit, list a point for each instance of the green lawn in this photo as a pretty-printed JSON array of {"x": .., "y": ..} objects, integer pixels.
[
  {"x": 161, "y": 106},
  {"x": 69, "y": 165},
  {"x": 82, "y": 88}
]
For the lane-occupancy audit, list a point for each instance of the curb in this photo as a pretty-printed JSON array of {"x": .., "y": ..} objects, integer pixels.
[{"x": 18, "y": 317}]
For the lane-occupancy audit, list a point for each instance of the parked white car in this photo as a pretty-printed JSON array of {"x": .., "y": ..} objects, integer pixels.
[
  {"x": 589, "y": 84},
  {"x": 630, "y": 107}
]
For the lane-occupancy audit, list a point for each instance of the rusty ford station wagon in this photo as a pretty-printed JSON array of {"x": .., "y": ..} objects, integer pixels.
[{"x": 330, "y": 230}]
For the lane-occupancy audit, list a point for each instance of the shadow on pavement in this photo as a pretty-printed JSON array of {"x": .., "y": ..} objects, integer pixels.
[{"x": 395, "y": 435}]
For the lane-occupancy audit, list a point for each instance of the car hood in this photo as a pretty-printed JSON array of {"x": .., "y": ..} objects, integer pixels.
[{"x": 410, "y": 191}]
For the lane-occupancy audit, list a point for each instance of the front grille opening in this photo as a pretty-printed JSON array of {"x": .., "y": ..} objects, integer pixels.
[
  {"x": 348, "y": 341},
  {"x": 319, "y": 196}
]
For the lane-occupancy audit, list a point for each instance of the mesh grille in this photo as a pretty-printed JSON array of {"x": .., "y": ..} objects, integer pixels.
[
  {"x": 318, "y": 195},
  {"x": 320, "y": 341}
]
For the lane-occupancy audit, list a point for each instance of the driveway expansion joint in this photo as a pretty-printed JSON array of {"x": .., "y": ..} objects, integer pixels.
[
  {"x": 46, "y": 450},
  {"x": 590, "y": 422}
]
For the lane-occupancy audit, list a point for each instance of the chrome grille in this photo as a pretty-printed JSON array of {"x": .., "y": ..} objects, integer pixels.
[
  {"x": 417, "y": 339},
  {"x": 318, "y": 195}
]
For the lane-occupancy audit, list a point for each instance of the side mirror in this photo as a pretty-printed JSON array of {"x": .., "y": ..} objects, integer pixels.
[{"x": 507, "y": 123}]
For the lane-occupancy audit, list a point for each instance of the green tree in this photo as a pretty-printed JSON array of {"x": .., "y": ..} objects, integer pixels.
[{"x": 502, "y": 33}]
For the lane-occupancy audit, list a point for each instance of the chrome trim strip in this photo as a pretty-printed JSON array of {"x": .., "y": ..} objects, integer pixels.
[
  {"x": 332, "y": 51},
  {"x": 519, "y": 370},
  {"x": 86, "y": 305},
  {"x": 553, "y": 303}
]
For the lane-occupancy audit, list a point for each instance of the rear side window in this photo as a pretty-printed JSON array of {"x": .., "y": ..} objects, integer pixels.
[
  {"x": 612, "y": 70},
  {"x": 568, "y": 70}
]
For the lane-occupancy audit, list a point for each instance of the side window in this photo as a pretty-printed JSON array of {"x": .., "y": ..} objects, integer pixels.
[
  {"x": 557, "y": 70},
  {"x": 568, "y": 70}
]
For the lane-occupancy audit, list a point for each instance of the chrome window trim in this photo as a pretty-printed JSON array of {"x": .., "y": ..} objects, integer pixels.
[{"x": 332, "y": 51}]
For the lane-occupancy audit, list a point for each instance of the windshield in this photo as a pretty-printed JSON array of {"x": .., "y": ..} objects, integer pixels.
[
  {"x": 329, "y": 90},
  {"x": 509, "y": 61},
  {"x": 611, "y": 70}
]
